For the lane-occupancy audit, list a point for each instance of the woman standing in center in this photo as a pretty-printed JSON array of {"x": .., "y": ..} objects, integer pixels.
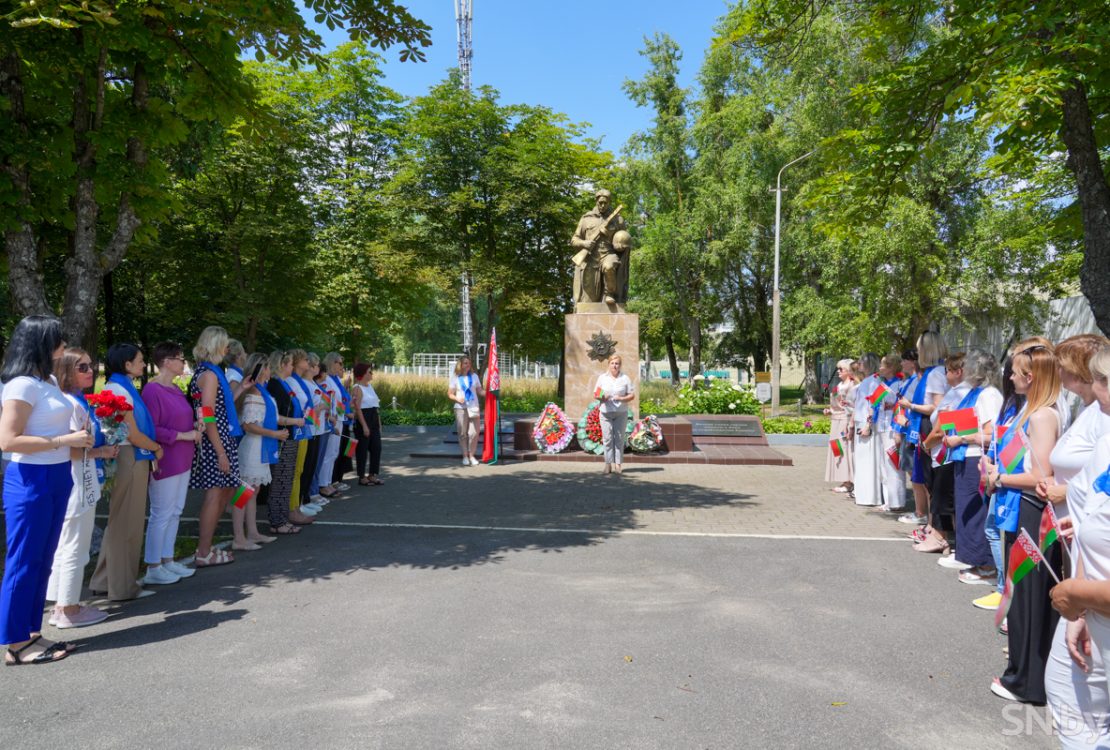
[
  {"x": 615, "y": 390},
  {"x": 465, "y": 390},
  {"x": 216, "y": 464},
  {"x": 259, "y": 449}
]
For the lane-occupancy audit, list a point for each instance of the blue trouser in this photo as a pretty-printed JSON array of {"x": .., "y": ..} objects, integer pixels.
[
  {"x": 35, "y": 500},
  {"x": 994, "y": 539}
]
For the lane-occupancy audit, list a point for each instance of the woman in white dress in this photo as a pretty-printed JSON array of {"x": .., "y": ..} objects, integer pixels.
[
  {"x": 254, "y": 460},
  {"x": 868, "y": 487}
]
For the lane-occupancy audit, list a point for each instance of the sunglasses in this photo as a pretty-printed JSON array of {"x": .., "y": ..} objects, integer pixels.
[{"x": 84, "y": 367}]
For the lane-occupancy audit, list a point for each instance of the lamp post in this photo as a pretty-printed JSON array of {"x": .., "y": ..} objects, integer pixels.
[{"x": 776, "y": 364}]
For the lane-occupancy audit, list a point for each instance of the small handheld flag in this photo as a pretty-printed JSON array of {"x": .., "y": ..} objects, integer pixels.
[
  {"x": 895, "y": 456},
  {"x": 959, "y": 422},
  {"x": 242, "y": 496},
  {"x": 1050, "y": 527},
  {"x": 1024, "y": 556},
  {"x": 1013, "y": 455},
  {"x": 599, "y": 393},
  {"x": 310, "y": 417},
  {"x": 880, "y": 392},
  {"x": 836, "y": 445},
  {"x": 352, "y": 448}
]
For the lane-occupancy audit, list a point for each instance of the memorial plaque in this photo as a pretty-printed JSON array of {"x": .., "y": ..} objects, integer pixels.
[{"x": 726, "y": 428}]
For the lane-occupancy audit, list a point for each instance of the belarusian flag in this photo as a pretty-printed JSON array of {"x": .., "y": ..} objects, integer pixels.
[
  {"x": 352, "y": 447},
  {"x": 1013, "y": 454},
  {"x": 242, "y": 496},
  {"x": 310, "y": 416},
  {"x": 1023, "y": 558},
  {"x": 959, "y": 422},
  {"x": 880, "y": 392},
  {"x": 207, "y": 415},
  {"x": 836, "y": 445},
  {"x": 895, "y": 456},
  {"x": 491, "y": 440},
  {"x": 599, "y": 393},
  {"x": 1050, "y": 529}
]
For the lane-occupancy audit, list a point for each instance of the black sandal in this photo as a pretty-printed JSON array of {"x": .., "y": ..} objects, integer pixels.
[
  {"x": 364, "y": 481},
  {"x": 46, "y": 657},
  {"x": 288, "y": 529}
]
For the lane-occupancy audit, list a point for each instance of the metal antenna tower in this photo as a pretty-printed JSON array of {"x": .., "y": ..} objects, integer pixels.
[{"x": 464, "y": 18}]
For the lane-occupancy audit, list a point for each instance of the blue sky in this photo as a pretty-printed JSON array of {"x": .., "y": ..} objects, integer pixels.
[{"x": 571, "y": 56}]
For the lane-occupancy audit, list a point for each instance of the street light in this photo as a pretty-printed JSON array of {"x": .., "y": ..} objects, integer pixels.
[{"x": 776, "y": 364}]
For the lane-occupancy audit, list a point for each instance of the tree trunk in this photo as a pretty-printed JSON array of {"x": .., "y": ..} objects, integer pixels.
[
  {"x": 672, "y": 358},
  {"x": 562, "y": 392},
  {"x": 812, "y": 383},
  {"x": 24, "y": 276},
  {"x": 695, "y": 347},
  {"x": 1078, "y": 135}
]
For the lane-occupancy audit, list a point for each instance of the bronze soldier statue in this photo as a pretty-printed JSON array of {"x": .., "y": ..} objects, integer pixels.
[{"x": 601, "y": 263}]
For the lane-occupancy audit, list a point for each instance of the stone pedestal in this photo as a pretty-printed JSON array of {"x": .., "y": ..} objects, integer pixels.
[{"x": 582, "y": 372}]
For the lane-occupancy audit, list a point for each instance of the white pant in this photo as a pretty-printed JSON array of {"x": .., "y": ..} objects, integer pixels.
[
  {"x": 330, "y": 446},
  {"x": 1077, "y": 699},
  {"x": 891, "y": 479},
  {"x": 70, "y": 559},
  {"x": 167, "y": 500}
]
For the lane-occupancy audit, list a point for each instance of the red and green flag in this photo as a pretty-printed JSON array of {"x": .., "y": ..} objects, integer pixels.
[
  {"x": 491, "y": 439},
  {"x": 352, "y": 448},
  {"x": 599, "y": 393},
  {"x": 1050, "y": 528},
  {"x": 1013, "y": 455},
  {"x": 895, "y": 456},
  {"x": 242, "y": 496},
  {"x": 1024, "y": 556},
  {"x": 836, "y": 445},
  {"x": 959, "y": 422},
  {"x": 310, "y": 416},
  {"x": 880, "y": 392}
]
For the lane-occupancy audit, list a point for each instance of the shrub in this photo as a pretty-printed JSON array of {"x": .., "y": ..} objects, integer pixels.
[
  {"x": 796, "y": 426},
  {"x": 708, "y": 397},
  {"x": 406, "y": 417}
]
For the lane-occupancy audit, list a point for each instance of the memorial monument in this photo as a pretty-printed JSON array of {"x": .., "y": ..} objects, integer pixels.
[{"x": 600, "y": 324}]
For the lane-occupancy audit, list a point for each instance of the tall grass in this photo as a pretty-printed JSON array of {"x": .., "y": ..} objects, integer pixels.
[{"x": 427, "y": 393}]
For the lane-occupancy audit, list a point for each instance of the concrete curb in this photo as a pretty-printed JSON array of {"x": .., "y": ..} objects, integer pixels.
[{"x": 812, "y": 441}]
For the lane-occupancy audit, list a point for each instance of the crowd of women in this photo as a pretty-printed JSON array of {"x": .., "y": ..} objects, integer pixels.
[
  {"x": 971, "y": 493},
  {"x": 273, "y": 428}
]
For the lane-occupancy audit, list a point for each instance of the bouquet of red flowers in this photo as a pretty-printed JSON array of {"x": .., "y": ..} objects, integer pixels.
[{"x": 109, "y": 409}]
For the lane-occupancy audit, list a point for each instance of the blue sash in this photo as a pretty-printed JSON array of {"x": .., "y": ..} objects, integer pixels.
[
  {"x": 271, "y": 447},
  {"x": 915, "y": 418},
  {"x": 299, "y": 433},
  {"x": 233, "y": 427},
  {"x": 346, "y": 397},
  {"x": 98, "y": 435},
  {"x": 143, "y": 420},
  {"x": 901, "y": 393},
  {"x": 467, "y": 392},
  {"x": 1102, "y": 484},
  {"x": 309, "y": 430},
  {"x": 1007, "y": 500},
  {"x": 959, "y": 453}
]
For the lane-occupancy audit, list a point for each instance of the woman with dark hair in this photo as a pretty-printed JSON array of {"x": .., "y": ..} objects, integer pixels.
[
  {"x": 216, "y": 465},
  {"x": 368, "y": 426},
  {"x": 122, "y": 547},
  {"x": 35, "y": 429},
  {"x": 75, "y": 374},
  {"x": 176, "y": 431}
]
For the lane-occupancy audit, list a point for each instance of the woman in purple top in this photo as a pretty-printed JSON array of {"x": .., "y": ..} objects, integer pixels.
[{"x": 176, "y": 431}]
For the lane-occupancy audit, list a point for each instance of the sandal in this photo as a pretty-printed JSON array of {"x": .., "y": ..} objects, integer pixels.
[
  {"x": 931, "y": 545},
  {"x": 288, "y": 529},
  {"x": 329, "y": 495},
  {"x": 375, "y": 480},
  {"x": 54, "y": 652},
  {"x": 212, "y": 559},
  {"x": 365, "y": 481}
]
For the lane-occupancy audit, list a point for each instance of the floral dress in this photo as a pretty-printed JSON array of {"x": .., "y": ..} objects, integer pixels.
[
  {"x": 251, "y": 469},
  {"x": 206, "y": 467}
]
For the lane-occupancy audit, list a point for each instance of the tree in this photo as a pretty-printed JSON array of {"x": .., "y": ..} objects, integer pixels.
[
  {"x": 1034, "y": 76},
  {"x": 97, "y": 93}
]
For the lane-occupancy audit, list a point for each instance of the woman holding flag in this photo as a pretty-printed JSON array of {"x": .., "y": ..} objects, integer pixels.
[
  {"x": 930, "y": 389},
  {"x": 1018, "y": 461},
  {"x": 258, "y": 451},
  {"x": 868, "y": 450},
  {"x": 838, "y": 464},
  {"x": 283, "y": 521},
  {"x": 301, "y": 395},
  {"x": 967, "y": 428},
  {"x": 1075, "y": 679},
  {"x": 216, "y": 464},
  {"x": 942, "y": 506},
  {"x": 890, "y": 475}
]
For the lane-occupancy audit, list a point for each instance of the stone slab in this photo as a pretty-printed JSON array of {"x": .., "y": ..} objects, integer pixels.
[{"x": 582, "y": 372}]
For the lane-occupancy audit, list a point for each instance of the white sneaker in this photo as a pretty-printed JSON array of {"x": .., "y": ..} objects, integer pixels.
[
  {"x": 159, "y": 576},
  {"x": 316, "y": 498},
  {"x": 475, "y": 462},
  {"x": 950, "y": 561},
  {"x": 314, "y": 507},
  {"x": 342, "y": 486},
  {"x": 466, "y": 462},
  {"x": 178, "y": 569},
  {"x": 912, "y": 518},
  {"x": 307, "y": 510}
]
